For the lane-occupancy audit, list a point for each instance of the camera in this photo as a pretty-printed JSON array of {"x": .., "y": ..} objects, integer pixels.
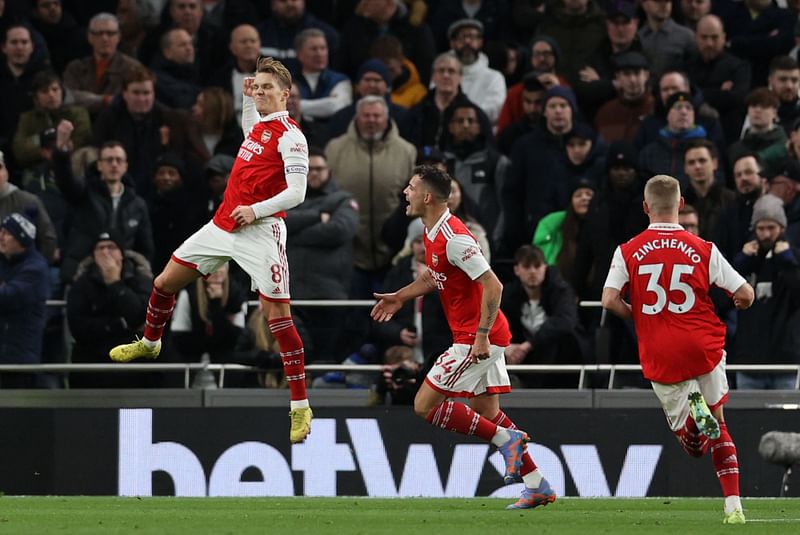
[
  {"x": 47, "y": 139},
  {"x": 403, "y": 374}
]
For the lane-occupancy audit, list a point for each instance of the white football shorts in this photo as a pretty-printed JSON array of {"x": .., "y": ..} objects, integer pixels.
[{"x": 455, "y": 376}]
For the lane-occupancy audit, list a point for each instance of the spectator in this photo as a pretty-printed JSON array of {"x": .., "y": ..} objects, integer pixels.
[
  {"x": 14, "y": 200},
  {"x": 758, "y": 31},
  {"x": 480, "y": 169},
  {"x": 766, "y": 333},
  {"x": 542, "y": 314},
  {"x": 373, "y": 163},
  {"x": 244, "y": 47},
  {"x": 321, "y": 231},
  {"x": 723, "y": 78},
  {"x": 735, "y": 221},
  {"x": 420, "y": 324},
  {"x": 24, "y": 288},
  {"x": 175, "y": 70},
  {"x": 147, "y": 129},
  {"x": 17, "y": 69},
  {"x": 463, "y": 208},
  {"x": 691, "y": 11},
  {"x": 213, "y": 112},
  {"x": 619, "y": 119},
  {"x": 217, "y": 171},
  {"x": 784, "y": 182},
  {"x": 278, "y": 32},
  {"x": 664, "y": 155},
  {"x": 585, "y": 155},
  {"x": 99, "y": 200},
  {"x": 399, "y": 380},
  {"x": 372, "y": 79},
  {"x": 323, "y": 91},
  {"x": 48, "y": 111},
  {"x": 537, "y": 163},
  {"x": 689, "y": 219},
  {"x": 484, "y": 86},
  {"x": 175, "y": 208},
  {"x": 762, "y": 134},
  {"x": 135, "y": 18},
  {"x": 667, "y": 43},
  {"x": 61, "y": 32},
  {"x": 257, "y": 347},
  {"x": 532, "y": 96},
  {"x": 784, "y": 81},
  {"x": 407, "y": 88},
  {"x": 425, "y": 118},
  {"x": 315, "y": 132},
  {"x": 595, "y": 85},
  {"x": 104, "y": 307},
  {"x": 558, "y": 233},
  {"x": 494, "y": 16},
  {"x": 578, "y": 26},
  {"x": 544, "y": 59},
  {"x": 375, "y": 18},
  {"x": 209, "y": 317},
  {"x": 704, "y": 192},
  {"x": 96, "y": 79}
]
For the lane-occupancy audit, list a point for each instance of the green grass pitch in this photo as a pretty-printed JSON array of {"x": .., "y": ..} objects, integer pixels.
[{"x": 344, "y": 516}]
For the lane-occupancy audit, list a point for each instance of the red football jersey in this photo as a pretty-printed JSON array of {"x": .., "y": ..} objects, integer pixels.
[
  {"x": 455, "y": 260},
  {"x": 669, "y": 272},
  {"x": 269, "y": 150}
]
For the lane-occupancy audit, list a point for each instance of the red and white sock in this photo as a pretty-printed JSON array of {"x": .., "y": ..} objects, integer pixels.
[
  {"x": 726, "y": 463},
  {"x": 159, "y": 310},
  {"x": 462, "y": 419},
  {"x": 530, "y": 473},
  {"x": 293, "y": 358},
  {"x": 692, "y": 440}
]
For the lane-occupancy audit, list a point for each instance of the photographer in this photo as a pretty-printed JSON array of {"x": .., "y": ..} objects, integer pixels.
[
  {"x": 399, "y": 379},
  {"x": 767, "y": 332}
]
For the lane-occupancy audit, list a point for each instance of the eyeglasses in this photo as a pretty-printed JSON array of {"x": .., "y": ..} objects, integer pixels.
[
  {"x": 113, "y": 159},
  {"x": 104, "y": 33}
]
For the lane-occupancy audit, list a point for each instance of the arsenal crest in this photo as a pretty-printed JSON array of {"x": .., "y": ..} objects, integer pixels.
[
  {"x": 434, "y": 259},
  {"x": 266, "y": 135}
]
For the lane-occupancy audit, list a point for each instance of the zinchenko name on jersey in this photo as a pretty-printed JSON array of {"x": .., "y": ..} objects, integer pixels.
[{"x": 666, "y": 243}]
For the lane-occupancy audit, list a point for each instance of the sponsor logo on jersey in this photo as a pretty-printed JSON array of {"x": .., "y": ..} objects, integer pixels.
[
  {"x": 299, "y": 147},
  {"x": 266, "y": 135},
  {"x": 469, "y": 253}
]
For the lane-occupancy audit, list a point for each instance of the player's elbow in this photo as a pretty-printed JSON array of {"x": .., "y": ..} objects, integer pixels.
[
  {"x": 745, "y": 295},
  {"x": 609, "y": 298}
]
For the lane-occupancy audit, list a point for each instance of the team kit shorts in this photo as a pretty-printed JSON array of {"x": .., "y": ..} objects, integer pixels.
[
  {"x": 674, "y": 398},
  {"x": 454, "y": 375},
  {"x": 259, "y": 248}
]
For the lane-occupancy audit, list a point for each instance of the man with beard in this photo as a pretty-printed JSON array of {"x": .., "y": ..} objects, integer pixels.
[
  {"x": 735, "y": 220},
  {"x": 484, "y": 86},
  {"x": 784, "y": 81},
  {"x": 785, "y": 183},
  {"x": 619, "y": 119},
  {"x": 532, "y": 95},
  {"x": 767, "y": 332}
]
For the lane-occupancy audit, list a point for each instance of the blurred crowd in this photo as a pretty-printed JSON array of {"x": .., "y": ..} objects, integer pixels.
[{"x": 120, "y": 122}]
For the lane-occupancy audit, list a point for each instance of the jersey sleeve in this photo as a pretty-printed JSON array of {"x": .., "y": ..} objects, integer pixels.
[
  {"x": 465, "y": 253},
  {"x": 293, "y": 150},
  {"x": 249, "y": 114},
  {"x": 721, "y": 273},
  {"x": 618, "y": 272}
]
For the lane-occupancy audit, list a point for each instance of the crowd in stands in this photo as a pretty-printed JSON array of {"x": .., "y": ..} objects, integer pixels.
[{"x": 120, "y": 122}]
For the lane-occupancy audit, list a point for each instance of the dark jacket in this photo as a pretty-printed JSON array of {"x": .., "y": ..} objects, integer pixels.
[
  {"x": 664, "y": 155},
  {"x": 24, "y": 288},
  {"x": 277, "y": 37},
  {"x": 733, "y": 230},
  {"x": 101, "y": 316},
  {"x": 425, "y": 124},
  {"x": 177, "y": 85},
  {"x": 177, "y": 215},
  {"x": 767, "y": 332},
  {"x": 321, "y": 254},
  {"x": 93, "y": 211},
  {"x": 710, "y": 208}
]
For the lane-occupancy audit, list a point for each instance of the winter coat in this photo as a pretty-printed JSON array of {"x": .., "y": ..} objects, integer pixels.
[
  {"x": 24, "y": 288},
  {"x": 664, "y": 156},
  {"x": 81, "y": 79},
  {"x": 27, "y": 142},
  {"x": 177, "y": 84},
  {"x": 13, "y": 200},
  {"x": 374, "y": 172}
]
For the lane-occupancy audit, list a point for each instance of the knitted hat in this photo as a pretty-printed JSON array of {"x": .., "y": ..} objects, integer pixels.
[
  {"x": 170, "y": 159},
  {"x": 787, "y": 167},
  {"x": 376, "y": 66},
  {"x": 630, "y": 61},
  {"x": 454, "y": 28},
  {"x": 561, "y": 91},
  {"x": 582, "y": 131},
  {"x": 680, "y": 96},
  {"x": 415, "y": 230},
  {"x": 621, "y": 8},
  {"x": 622, "y": 154},
  {"x": 19, "y": 226},
  {"x": 220, "y": 164},
  {"x": 550, "y": 41},
  {"x": 110, "y": 235},
  {"x": 770, "y": 207}
]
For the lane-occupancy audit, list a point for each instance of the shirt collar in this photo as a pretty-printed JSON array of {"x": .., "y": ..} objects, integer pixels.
[
  {"x": 435, "y": 229},
  {"x": 275, "y": 115},
  {"x": 665, "y": 226}
]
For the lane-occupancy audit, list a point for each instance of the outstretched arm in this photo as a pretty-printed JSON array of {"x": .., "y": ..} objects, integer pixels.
[{"x": 388, "y": 304}]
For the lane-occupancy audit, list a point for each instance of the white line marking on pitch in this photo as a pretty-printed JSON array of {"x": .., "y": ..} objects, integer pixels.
[{"x": 773, "y": 520}]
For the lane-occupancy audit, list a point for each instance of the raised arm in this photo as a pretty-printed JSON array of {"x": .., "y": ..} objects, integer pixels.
[{"x": 249, "y": 113}]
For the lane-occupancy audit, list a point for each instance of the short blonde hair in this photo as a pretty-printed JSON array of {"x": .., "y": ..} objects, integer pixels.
[
  {"x": 275, "y": 68},
  {"x": 662, "y": 193}
]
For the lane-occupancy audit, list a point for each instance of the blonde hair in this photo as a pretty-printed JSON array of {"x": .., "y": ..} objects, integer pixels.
[
  {"x": 662, "y": 193},
  {"x": 275, "y": 68},
  {"x": 202, "y": 296}
]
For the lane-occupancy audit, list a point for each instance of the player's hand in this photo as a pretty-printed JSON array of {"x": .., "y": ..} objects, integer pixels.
[
  {"x": 243, "y": 215},
  {"x": 247, "y": 86},
  {"x": 750, "y": 248},
  {"x": 781, "y": 246},
  {"x": 386, "y": 307},
  {"x": 479, "y": 350}
]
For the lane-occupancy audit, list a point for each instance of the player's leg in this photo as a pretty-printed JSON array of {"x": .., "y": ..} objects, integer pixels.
[
  {"x": 281, "y": 325},
  {"x": 159, "y": 310},
  {"x": 714, "y": 387}
]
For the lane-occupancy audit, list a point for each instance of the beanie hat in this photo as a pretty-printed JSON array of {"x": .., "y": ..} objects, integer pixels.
[
  {"x": 19, "y": 226},
  {"x": 770, "y": 207},
  {"x": 170, "y": 159},
  {"x": 454, "y": 28},
  {"x": 376, "y": 66},
  {"x": 220, "y": 164},
  {"x": 680, "y": 96},
  {"x": 622, "y": 154},
  {"x": 564, "y": 92},
  {"x": 550, "y": 41},
  {"x": 110, "y": 235}
]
